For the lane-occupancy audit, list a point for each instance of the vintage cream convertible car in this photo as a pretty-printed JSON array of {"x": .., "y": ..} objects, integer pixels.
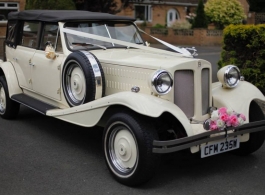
[{"x": 95, "y": 69}]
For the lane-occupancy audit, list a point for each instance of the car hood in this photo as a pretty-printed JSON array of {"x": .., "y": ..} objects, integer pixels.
[{"x": 141, "y": 58}]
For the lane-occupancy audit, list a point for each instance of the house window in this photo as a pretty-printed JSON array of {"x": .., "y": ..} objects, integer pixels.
[
  {"x": 143, "y": 13},
  {"x": 6, "y": 7}
]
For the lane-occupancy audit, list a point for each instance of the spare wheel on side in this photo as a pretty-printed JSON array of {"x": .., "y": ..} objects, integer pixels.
[{"x": 82, "y": 78}]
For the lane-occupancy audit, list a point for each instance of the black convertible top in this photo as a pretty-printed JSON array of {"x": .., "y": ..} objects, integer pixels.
[{"x": 64, "y": 15}]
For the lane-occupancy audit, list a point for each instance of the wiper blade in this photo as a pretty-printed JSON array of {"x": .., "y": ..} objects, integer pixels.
[{"x": 87, "y": 44}]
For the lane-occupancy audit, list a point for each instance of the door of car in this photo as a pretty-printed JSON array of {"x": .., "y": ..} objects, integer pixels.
[
  {"x": 46, "y": 72},
  {"x": 24, "y": 52}
]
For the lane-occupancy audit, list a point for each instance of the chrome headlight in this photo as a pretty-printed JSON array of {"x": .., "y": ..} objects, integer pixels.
[
  {"x": 162, "y": 82},
  {"x": 229, "y": 76}
]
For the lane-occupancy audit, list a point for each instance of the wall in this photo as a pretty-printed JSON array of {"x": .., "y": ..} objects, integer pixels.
[
  {"x": 194, "y": 37},
  {"x": 3, "y": 28},
  {"x": 159, "y": 13},
  {"x": 245, "y": 6}
]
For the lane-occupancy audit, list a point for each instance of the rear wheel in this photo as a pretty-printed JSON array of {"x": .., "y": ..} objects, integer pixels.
[
  {"x": 8, "y": 108},
  {"x": 255, "y": 139},
  {"x": 127, "y": 146}
]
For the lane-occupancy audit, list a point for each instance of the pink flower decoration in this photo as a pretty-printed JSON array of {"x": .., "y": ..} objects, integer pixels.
[
  {"x": 224, "y": 117},
  {"x": 233, "y": 120},
  {"x": 213, "y": 125},
  {"x": 222, "y": 110}
]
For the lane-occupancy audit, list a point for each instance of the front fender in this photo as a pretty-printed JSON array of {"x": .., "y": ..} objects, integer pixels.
[
  {"x": 238, "y": 98},
  {"x": 90, "y": 113},
  {"x": 11, "y": 78}
]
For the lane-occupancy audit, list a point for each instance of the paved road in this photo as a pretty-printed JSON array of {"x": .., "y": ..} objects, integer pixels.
[
  {"x": 43, "y": 156},
  {"x": 40, "y": 155}
]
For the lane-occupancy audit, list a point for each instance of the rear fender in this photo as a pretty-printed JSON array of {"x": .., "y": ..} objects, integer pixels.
[{"x": 8, "y": 71}]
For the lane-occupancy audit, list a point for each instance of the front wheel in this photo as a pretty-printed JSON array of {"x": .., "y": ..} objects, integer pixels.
[
  {"x": 256, "y": 139},
  {"x": 128, "y": 149}
]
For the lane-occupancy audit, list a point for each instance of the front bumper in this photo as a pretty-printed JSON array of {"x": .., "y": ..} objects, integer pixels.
[{"x": 195, "y": 140}]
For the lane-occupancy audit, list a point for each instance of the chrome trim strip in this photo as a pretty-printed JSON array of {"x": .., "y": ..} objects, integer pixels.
[
  {"x": 184, "y": 143},
  {"x": 109, "y": 34},
  {"x": 205, "y": 90},
  {"x": 97, "y": 73}
]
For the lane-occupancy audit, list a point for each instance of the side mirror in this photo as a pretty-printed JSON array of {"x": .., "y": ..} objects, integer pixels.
[{"x": 50, "y": 51}]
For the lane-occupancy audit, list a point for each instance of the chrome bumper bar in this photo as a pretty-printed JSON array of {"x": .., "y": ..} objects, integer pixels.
[{"x": 195, "y": 140}]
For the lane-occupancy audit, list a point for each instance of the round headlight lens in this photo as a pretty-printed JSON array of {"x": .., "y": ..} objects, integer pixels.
[
  {"x": 232, "y": 76},
  {"x": 162, "y": 82}
]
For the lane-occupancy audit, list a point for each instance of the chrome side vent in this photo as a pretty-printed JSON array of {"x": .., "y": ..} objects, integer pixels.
[
  {"x": 205, "y": 89},
  {"x": 184, "y": 91}
]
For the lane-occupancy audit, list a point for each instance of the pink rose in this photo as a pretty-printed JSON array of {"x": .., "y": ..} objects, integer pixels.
[
  {"x": 224, "y": 117},
  {"x": 222, "y": 110},
  {"x": 213, "y": 125},
  {"x": 232, "y": 121}
]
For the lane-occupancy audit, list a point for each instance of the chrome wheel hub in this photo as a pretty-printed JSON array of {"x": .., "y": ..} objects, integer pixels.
[
  {"x": 123, "y": 150},
  {"x": 75, "y": 82}
]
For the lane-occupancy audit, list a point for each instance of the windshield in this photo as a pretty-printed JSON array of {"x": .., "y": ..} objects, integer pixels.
[{"x": 114, "y": 30}]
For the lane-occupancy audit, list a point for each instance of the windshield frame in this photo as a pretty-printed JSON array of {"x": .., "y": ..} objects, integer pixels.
[{"x": 110, "y": 29}]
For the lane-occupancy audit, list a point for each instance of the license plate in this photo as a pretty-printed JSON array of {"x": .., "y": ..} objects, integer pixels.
[{"x": 219, "y": 147}]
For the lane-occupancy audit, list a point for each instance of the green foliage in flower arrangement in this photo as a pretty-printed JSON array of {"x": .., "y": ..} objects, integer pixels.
[
  {"x": 243, "y": 46},
  {"x": 224, "y": 12}
]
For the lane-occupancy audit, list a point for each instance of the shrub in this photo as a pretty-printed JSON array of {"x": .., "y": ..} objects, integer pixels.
[
  {"x": 181, "y": 24},
  {"x": 224, "y": 12},
  {"x": 159, "y": 26},
  {"x": 243, "y": 46}
]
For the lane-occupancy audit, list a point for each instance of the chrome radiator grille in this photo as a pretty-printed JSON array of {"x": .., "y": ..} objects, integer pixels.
[{"x": 184, "y": 91}]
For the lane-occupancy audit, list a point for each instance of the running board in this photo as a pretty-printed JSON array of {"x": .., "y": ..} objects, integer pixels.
[{"x": 32, "y": 103}]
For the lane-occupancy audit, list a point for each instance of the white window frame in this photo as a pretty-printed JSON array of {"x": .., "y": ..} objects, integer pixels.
[
  {"x": 6, "y": 6},
  {"x": 147, "y": 8},
  {"x": 175, "y": 13}
]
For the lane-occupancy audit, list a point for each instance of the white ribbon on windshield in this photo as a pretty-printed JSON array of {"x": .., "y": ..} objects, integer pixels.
[
  {"x": 177, "y": 49},
  {"x": 124, "y": 43}
]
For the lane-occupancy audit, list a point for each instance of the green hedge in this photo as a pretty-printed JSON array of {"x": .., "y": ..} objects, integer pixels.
[{"x": 244, "y": 46}]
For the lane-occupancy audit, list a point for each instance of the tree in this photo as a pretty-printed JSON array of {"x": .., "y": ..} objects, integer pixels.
[
  {"x": 200, "y": 20},
  {"x": 107, "y": 6},
  {"x": 224, "y": 12},
  {"x": 50, "y": 4}
]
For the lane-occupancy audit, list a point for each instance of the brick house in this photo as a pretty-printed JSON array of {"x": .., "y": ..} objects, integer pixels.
[{"x": 166, "y": 11}]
